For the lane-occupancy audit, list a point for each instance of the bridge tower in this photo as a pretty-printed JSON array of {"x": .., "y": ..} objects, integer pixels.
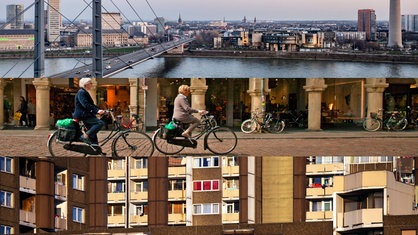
[{"x": 395, "y": 30}]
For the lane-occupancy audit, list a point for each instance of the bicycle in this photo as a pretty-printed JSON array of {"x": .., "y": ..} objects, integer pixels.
[
  {"x": 135, "y": 123},
  {"x": 125, "y": 143},
  {"x": 268, "y": 123},
  {"x": 218, "y": 140},
  {"x": 393, "y": 120},
  {"x": 293, "y": 118}
]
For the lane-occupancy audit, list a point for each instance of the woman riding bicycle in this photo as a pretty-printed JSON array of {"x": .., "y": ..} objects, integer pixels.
[
  {"x": 85, "y": 110},
  {"x": 183, "y": 111}
]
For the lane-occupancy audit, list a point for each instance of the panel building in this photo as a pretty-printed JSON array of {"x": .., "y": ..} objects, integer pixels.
[
  {"x": 410, "y": 23},
  {"x": 367, "y": 23}
]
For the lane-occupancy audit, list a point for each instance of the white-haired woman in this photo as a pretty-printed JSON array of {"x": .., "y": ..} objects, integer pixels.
[
  {"x": 183, "y": 111},
  {"x": 86, "y": 110}
]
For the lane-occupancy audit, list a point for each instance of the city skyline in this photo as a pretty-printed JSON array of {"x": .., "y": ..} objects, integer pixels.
[{"x": 264, "y": 10}]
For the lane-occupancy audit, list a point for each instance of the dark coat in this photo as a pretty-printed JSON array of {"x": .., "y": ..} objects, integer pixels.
[{"x": 83, "y": 105}]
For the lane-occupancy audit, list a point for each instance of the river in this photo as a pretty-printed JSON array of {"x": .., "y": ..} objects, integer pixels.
[{"x": 188, "y": 67}]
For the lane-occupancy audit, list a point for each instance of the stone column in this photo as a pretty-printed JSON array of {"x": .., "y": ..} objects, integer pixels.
[
  {"x": 374, "y": 91},
  {"x": 93, "y": 90},
  {"x": 314, "y": 87},
  {"x": 44, "y": 197},
  {"x": 255, "y": 91},
  {"x": 134, "y": 89},
  {"x": 42, "y": 86},
  {"x": 198, "y": 90},
  {"x": 97, "y": 194},
  {"x": 2, "y": 86}
]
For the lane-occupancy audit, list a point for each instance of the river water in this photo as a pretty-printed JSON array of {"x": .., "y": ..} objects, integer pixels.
[{"x": 190, "y": 67}]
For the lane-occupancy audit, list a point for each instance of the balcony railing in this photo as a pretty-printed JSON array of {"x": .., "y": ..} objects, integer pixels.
[
  {"x": 363, "y": 218},
  {"x": 139, "y": 196},
  {"x": 319, "y": 192},
  {"x": 27, "y": 184},
  {"x": 318, "y": 215},
  {"x": 60, "y": 223},
  {"x": 116, "y": 197},
  {"x": 27, "y": 218},
  {"x": 230, "y": 193},
  {"x": 324, "y": 168},
  {"x": 177, "y": 172},
  {"x": 230, "y": 218},
  {"x": 176, "y": 218},
  {"x": 60, "y": 190},
  {"x": 177, "y": 194},
  {"x": 230, "y": 171}
]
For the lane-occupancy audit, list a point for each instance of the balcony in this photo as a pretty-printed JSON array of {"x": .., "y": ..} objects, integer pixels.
[
  {"x": 324, "y": 168},
  {"x": 116, "y": 220},
  {"x": 319, "y": 192},
  {"x": 364, "y": 218},
  {"x": 116, "y": 197},
  {"x": 27, "y": 218},
  {"x": 230, "y": 193},
  {"x": 116, "y": 174},
  {"x": 318, "y": 215},
  {"x": 179, "y": 172},
  {"x": 230, "y": 171},
  {"x": 27, "y": 184},
  {"x": 139, "y": 220},
  {"x": 176, "y": 218},
  {"x": 139, "y": 196},
  {"x": 60, "y": 223},
  {"x": 229, "y": 218},
  {"x": 139, "y": 173},
  {"x": 60, "y": 191},
  {"x": 177, "y": 195}
]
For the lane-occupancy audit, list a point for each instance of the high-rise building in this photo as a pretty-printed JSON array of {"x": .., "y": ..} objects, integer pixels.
[
  {"x": 367, "y": 23},
  {"x": 410, "y": 23},
  {"x": 54, "y": 22},
  {"x": 160, "y": 22},
  {"x": 14, "y": 16}
]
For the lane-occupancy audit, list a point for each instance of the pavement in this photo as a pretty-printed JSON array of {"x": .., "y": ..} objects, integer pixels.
[{"x": 26, "y": 142}]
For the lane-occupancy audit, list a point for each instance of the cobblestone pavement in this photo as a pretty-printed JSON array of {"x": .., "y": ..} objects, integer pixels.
[{"x": 32, "y": 143}]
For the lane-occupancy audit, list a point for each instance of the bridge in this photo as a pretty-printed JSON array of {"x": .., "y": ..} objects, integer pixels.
[{"x": 113, "y": 66}]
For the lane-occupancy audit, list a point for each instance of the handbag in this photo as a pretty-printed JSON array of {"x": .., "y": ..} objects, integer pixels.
[{"x": 17, "y": 116}]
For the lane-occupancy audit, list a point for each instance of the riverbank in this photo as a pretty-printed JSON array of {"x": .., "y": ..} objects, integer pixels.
[{"x": 323, "y": 56}]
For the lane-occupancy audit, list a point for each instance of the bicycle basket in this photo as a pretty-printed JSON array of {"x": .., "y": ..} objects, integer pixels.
[
  {"x": 373, "y": 114},
  {"x": 66, "y": 134}
]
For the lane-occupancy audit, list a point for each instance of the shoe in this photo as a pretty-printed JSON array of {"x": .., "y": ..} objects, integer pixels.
[
  {"x": 185, "y": 134},
  {"x": 85, "y": 140}
]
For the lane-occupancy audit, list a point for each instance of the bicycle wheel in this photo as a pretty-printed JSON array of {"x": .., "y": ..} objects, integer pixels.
[
  {"x": 132, "y": 144},
  {"x": 276, "y": 126},
  {"x": 399, "y": 124},
  {"x": 221, "y": 140},
  {"x": 248, "y": 126},
  {"x": 56, "y": 148},
  {"x": 163, "y": 146},
  {"x": 371, "y": 124}
]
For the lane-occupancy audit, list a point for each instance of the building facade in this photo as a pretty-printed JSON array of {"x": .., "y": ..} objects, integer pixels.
[
  {"x": 54, "y": 23},
  {"x": 366, "y": 22},
  {"x": 15, "y": 16}
]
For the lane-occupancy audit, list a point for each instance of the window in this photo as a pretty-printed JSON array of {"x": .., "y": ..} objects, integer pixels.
[
  {"x": 119, "y": 187},
  {"x": 141, "y": 209},
  {"x": 206, "y": 185},
  {"x": 231, "y": 184},
  {"x": 231, "y": 207},
  {"x": 208, "y": 208},
  {"x": 4, "y": 229},
  {"x": 78, "y": 214},
  {"x": 321, "y": 205},
  {"x": 200, "y": 162},
  {"x": 177, "y": 208},
  {"x": 177, "y": 184},
  {"x": 6, "y": 199},
  {"x": 230, "y": 161},
  {"x": 6, "y": 164},
  {"x": 141, "y": 163},
  {"x": 78, "y": 182},
  {"x": 141, "y": 186}
]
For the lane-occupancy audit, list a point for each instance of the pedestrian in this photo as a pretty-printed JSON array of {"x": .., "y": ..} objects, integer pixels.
[
  {"x": 31, "y": 113},
  {"x": 23, "y": 109},
  {"x": 183, "y": 112},
  {"x": 86, "y": 111}
]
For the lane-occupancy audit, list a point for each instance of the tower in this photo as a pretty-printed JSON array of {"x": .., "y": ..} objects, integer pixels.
[
  {"x": 54, "y": 22},
  {"x": 367, "y": 23},
  {"x": 14, "y": 16},
  {"x": 395, "y": 31}
]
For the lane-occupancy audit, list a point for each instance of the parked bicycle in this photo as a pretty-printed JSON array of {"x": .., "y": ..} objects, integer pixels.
[
  {"x": 135, "y": 122},
  {"x": 393, "y": 120},
  {"x": 294, "y": 119},
  {"x": 218, "y": 140},
  {"x": 267, "y": 122},
  {"x": 125, "y": 143}
]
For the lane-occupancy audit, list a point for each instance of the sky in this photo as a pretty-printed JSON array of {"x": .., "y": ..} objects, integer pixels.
[{"x": 230, "y": 10}]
